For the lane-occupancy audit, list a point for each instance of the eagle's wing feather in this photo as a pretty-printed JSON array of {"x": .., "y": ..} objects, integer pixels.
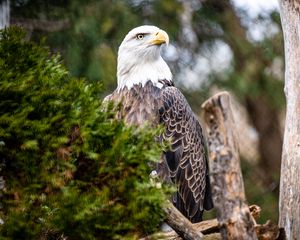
[{"x": 186, "y": 159}]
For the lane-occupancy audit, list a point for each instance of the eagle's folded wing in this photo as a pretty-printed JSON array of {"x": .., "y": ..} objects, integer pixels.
[{"x": 186, "y": 159}]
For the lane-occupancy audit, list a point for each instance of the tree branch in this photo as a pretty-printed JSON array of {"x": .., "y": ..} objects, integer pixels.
[
  {"x": 41, "y": 25},
  {"x": 183, "y": 227},
  {"x": 211, "y": 229}
]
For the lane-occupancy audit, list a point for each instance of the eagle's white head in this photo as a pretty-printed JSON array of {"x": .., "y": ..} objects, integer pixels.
[{"x": 139, "y": 58}]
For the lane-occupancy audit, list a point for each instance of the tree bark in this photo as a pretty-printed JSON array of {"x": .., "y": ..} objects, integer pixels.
[
  {"x": 226, "y": 178},
  {"x": 208, "y": 228},
  {"x": 183, "y": 227},
  {"x": 289, "y": 202},
  {"x": 4, "y": 13}
]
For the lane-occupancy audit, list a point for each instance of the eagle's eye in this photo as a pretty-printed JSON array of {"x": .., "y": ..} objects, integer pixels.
[{"x": 139, "y": 36}]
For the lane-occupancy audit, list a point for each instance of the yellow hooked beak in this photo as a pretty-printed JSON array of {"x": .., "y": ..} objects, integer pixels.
[{"x": 159, "y": 38}]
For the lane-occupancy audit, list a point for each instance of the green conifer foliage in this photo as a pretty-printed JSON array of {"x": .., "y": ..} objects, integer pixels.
[{"x": 69, "y": 168}]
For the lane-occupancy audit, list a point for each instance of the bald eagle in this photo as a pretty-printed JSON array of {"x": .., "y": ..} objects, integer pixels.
[{"x": 147, "y": 93}]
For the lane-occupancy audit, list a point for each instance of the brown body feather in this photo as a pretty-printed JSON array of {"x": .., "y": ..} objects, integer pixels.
[{"x": 185, "y": 163}]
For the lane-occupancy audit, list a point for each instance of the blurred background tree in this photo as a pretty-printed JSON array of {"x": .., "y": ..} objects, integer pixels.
[{"x": 214, "y": 45}]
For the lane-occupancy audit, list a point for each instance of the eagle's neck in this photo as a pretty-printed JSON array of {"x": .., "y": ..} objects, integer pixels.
[{"x": 134, "y": 73}]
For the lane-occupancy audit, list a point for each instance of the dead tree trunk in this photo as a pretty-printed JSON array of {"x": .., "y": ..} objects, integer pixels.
[
  {"x": 289, "y": 202},
  {"x": 4, "y": 13},
  {"x": 226, "y": 178}
]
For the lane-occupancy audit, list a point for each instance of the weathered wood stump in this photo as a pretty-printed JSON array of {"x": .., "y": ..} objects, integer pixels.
[{"x": 226, "y": 178}]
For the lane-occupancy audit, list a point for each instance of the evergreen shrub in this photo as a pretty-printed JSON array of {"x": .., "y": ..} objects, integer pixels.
[{"x": 69, "y": 170}]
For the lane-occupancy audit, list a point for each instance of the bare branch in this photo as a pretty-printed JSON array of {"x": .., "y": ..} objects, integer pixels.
[
  {"x": 180, "y": 224},
  {"x": 42, "y": 25}
]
